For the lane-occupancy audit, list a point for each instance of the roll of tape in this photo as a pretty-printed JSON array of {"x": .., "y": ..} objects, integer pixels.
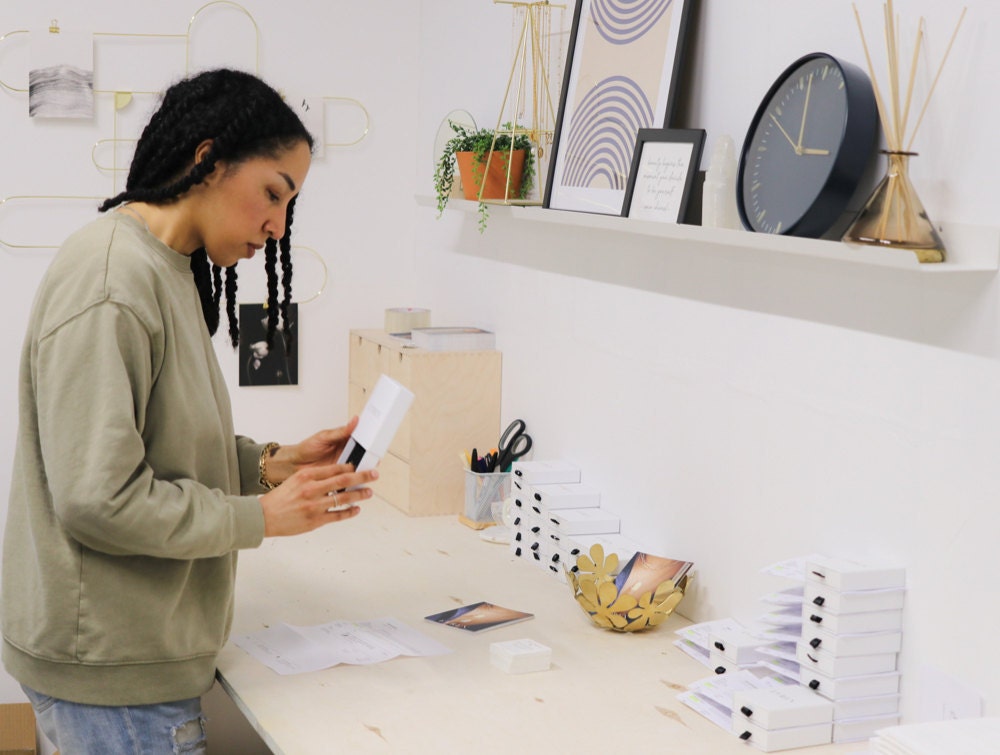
[{"x": 405, "y": 319}]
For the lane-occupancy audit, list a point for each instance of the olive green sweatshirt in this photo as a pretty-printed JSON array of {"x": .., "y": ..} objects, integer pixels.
[{"x": 130, "y": 491}]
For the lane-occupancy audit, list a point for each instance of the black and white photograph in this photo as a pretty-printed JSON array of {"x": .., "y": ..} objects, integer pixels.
[
  {"x": 61, "y": 79},
  {"x": 261, "y": 364}
]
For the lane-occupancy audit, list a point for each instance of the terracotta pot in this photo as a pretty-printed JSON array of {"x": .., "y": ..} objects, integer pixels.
[{"x": 472, "y": 174}]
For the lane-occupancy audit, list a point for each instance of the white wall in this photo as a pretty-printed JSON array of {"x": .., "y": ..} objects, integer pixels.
[
  {"x": 742, "y": 409},
  {"x": 777, "y": 407}
]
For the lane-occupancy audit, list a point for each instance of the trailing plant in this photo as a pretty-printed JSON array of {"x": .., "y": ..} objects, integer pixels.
[{"x": 479, "y": 142}]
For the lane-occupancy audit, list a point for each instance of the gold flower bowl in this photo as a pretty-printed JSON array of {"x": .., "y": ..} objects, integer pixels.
[{"x": 595, "y": 591}]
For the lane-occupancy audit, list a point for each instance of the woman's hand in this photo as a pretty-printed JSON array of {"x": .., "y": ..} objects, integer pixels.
[
  {"x": 303, "y": 502},
  {"x": 321, "y": 449}
]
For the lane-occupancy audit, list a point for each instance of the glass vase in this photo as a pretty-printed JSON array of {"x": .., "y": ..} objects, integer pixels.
[{"x": 894, "y": 217}]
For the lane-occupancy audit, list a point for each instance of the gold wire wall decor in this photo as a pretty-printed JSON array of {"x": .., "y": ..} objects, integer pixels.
[
  {"x": 529, "y": 111},
  {"x": 121, "y": 99},
  {"x": 894, "y": 216}
]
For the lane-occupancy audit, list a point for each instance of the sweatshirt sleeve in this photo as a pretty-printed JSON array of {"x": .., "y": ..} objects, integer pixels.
[{"x": 93, "y": 378}]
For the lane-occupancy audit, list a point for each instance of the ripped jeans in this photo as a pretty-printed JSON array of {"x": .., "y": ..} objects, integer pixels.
[{"x": 161, "y": 729}]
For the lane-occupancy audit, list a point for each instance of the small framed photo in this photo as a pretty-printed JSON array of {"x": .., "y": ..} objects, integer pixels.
[{"x": 665, "y": 163}]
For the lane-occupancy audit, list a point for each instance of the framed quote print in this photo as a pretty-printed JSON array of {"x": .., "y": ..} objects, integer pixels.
[
  {"x": 621, "y": 76},
  {"x": 662, "y": 175}
]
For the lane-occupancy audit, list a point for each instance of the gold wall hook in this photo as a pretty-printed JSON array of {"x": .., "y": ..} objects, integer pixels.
[
  {"x": 364, "y": 112},
  {"x": 37, "y": 198}
]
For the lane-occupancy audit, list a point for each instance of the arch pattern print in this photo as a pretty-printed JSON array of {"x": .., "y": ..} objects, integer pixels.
[
  {"x": 622, "y": 22},
  {"x": 621, "y": 75}
]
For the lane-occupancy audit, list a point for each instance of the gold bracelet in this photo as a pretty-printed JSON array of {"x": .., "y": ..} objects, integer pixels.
[{"x": 265, "y": 481}]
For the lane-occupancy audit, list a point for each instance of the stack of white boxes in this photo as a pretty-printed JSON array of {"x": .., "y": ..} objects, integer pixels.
[
  {"x": 557, "y": 517},
  {"x": 851, "y": 636},
  {"x": 782, "y": 718}
]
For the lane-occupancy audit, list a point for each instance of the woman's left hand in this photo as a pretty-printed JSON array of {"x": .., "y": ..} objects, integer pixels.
[{"x": 320, "y": 449}]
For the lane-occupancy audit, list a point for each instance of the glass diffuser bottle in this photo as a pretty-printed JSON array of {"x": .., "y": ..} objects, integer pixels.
[{"x": 894, "y": 216}]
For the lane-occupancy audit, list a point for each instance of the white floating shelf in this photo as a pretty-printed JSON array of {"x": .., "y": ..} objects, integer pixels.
[{"x": 970, "y": 249}]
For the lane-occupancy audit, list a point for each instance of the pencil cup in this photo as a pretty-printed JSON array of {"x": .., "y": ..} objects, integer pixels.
[{"x": 482, "y": 490}]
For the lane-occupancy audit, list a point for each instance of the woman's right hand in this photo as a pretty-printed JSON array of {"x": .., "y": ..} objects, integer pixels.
[{"x": 302, "y": 503}]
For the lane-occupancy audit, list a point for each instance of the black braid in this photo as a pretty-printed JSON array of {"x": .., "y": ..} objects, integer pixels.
[
  {"x": 234, "y": 325},
  {"x": 270, "y": 264},
  {"x": 285, "y": 245},
  {"x": 244, "y": 118}
]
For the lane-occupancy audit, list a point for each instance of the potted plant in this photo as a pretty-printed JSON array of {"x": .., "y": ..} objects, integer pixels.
[{"x": 471, "y": 151}]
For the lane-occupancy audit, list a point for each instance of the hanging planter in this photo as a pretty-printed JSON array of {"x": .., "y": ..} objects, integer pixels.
[{"x": 499, "y": 183}]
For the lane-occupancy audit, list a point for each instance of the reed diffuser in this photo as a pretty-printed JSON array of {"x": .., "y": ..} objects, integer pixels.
[{"x": 894, "y": 216}]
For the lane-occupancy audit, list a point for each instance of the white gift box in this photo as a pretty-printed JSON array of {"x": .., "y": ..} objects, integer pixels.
[
  {"x": 865, "y": 707},
  {"x": 736, "y": 646},
  {"x": 867, "y": 685},
  {"x": 845, "y": 576},
  {"x": 773, "y": 740},
  {"x": 861, "y": 729},
  {"x": 867, "y": 643},
  {"x": 544, "y": 472},
  {"x": 858, "y": 601},
  {"x": 850, "y": 623},
  {"x": 520, "y": 656},
  {"x": 833, "y": 665},
  {"x": 780, "y": 707},
  {"x": 566, "y": 496},
  {"x": 582, "y": 522}
]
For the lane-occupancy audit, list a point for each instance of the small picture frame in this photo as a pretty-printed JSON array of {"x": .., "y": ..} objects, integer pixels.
[{"x": 665, "y": 164}]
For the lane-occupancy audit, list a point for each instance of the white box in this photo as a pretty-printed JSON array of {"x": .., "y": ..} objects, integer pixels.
[
  {"x": 861, "y": 729},
  {"x": 737, "y": 646},
  {"x": 520, "y": 656},
  {"x": 867, "y": 643},
  {"x": 377, "y": 425},
  {"x": 844, "y": 575},
  {"x": 850, "y": 623},
  {"x": 785, "y": 739},
  {"x": 865, "y": 707},
  {"x": 858, "y": 601},
  {"x": 838, "y": 666},
  {"x": 574, "y": 545},
  {"x": 576, "y": 495},
  {"x": 543, "y": 472},
  {"x": 582, "y": 521},
  {"x": 780, "y": 708},
  {"x": 868, "y": 685}
]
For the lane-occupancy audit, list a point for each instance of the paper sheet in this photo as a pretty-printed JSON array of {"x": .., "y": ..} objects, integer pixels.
[{"x": 288, "y": 649}]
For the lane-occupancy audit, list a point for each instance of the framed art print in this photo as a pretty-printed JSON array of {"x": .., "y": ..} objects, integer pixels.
[
  {"x": 621, "y": 75},
  {"x": 662, "y": 175}
]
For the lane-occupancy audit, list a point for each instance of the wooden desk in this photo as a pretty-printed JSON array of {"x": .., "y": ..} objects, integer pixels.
[{"x": 605, "y": 692}]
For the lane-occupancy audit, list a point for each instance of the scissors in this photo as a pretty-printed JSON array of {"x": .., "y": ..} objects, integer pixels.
[{"x": 514, "y": 443}]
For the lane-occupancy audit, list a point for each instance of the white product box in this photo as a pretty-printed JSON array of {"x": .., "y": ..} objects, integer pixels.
[
  {"x": 574, "y": 545},
  {"x": 542, "y": 472},
  {"x": 582, "y": 522},
  {"x": 861, "y": 729},
  {"x": 868, "y": 643},
  {"x": 859, "y": 601},
  {"x": 520, "y": 656},
  {"x": 720, "y": 664},
  {"x": 845, "y": 576},
  {"x": 868, "y": 685},
  {"x": 737, "y": 646},
  {"x": 865, "y": 707},
  {"x": 837, "y": 666},
  {"x": 780, "y": 708},
  {"x": 577, "y": 495},
  {"x": 785, "y": 739},
  {"x": 850, "y": 623}
]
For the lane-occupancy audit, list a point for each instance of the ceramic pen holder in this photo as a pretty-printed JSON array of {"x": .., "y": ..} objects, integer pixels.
[{"x": 596, "y": 593}]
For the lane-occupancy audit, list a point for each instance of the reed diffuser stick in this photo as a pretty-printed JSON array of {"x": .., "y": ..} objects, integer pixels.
[
  {"x": 871, "y": 70},
  {"x": 937, "y": 76}
]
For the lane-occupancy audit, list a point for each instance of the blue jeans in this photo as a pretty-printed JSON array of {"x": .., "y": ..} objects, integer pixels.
[{"x": 162, "y": 729}]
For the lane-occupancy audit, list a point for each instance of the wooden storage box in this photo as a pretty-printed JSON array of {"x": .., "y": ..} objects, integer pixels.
[
  {"x": 456, "y": 406},
  {"x": 17, "y": 729}
]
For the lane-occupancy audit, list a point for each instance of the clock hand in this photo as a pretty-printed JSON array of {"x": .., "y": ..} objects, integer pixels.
[
  {"x": 808, "y": 151},
  {"x": 782, "y": 129},
  {"x": 805, "y": 109}
]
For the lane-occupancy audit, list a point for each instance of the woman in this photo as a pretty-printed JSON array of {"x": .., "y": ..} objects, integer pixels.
[{"x": 131, "y": 492}]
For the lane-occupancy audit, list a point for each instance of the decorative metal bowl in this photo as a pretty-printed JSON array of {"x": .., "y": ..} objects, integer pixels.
[{"x": 598, "y": 595}]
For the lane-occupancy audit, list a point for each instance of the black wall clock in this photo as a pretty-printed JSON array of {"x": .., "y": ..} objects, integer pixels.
[{"x": 807, "y": 148}]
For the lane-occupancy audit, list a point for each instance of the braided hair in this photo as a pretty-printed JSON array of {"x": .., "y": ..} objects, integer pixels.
[{"x": 244, "y": 118}]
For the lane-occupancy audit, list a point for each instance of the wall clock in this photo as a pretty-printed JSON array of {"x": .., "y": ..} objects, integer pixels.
[{"x": 808, "y": 146}]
